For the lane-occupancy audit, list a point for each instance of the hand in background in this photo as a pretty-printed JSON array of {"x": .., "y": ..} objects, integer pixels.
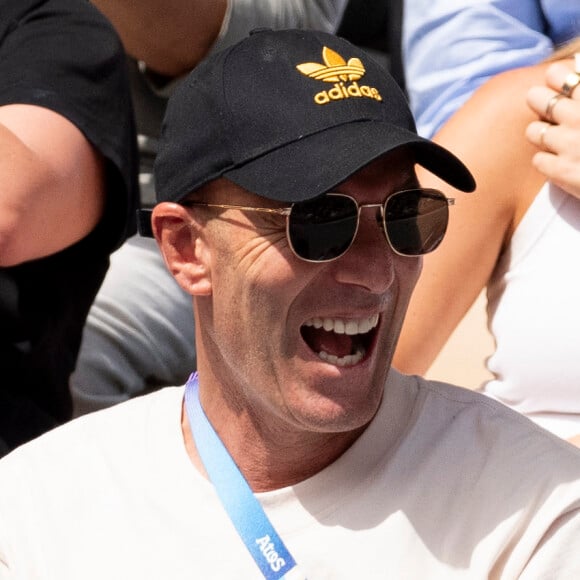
[{"x": 557, "y": 133}]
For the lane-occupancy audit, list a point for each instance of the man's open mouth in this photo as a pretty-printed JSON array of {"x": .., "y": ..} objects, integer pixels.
[{"x": 339, "y": 341}]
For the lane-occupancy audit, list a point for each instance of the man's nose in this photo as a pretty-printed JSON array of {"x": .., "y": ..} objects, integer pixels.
[{"x": 370, "y": 261}]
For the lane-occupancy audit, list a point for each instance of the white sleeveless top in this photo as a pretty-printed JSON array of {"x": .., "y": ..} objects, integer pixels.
[{"x": 534, "y": 315}]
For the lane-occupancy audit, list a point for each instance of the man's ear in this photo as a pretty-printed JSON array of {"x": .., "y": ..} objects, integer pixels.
[{"x": 182, "y": 244}]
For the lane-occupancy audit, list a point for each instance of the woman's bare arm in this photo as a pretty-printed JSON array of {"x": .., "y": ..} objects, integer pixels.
[{"x": 488, "y": 135}]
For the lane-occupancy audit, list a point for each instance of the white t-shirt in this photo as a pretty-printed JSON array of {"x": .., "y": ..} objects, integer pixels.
[{"x": 445, "y": 483}]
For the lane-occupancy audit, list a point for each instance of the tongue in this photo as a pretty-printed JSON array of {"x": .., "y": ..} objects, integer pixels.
[{"x": 336, "y": 344}]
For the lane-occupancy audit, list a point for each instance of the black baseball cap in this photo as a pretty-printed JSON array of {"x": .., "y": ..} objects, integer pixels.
[{"x": 288, "y": 115}]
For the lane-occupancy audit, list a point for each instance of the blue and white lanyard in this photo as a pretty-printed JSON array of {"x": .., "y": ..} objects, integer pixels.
[{"x": 244, "y": 510}]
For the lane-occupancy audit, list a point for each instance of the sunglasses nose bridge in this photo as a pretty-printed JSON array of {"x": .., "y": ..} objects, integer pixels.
[
  {"x": 379, "y": 209},
  {"x": 379, "y": 213}
]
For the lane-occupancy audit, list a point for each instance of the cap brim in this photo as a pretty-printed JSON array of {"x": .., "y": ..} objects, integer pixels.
[{"x": 316, "y": 163}]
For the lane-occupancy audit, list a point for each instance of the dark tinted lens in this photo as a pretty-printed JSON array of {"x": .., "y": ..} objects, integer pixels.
[
  {"x": 322, "y": 228},
  {"x": 416, "y": 221}
]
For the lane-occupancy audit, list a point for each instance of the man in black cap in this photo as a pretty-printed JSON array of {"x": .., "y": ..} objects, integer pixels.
[{"x": 290, "y": 210}]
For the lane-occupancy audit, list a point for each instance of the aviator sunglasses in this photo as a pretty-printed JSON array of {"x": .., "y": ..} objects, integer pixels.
[{"x": 322, "y": 229}]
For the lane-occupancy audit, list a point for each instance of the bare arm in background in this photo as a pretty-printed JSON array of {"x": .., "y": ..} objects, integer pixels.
[
  {"x": 481, "y": 223},
  {"x": 172, "y": 36},
  {"x": 44, "y": 185}
]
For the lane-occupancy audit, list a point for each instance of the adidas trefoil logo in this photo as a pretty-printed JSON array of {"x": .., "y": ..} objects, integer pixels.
[
  {"x": 334, "y": 69},
  {"x": 338, "y": 71}
]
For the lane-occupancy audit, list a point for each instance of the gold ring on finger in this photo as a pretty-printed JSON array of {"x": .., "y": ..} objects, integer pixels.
[{"x": 542, "y": 135}]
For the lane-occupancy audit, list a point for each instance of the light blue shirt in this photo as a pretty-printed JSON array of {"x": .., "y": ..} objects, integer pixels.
[{"x": 450, "y": 47}]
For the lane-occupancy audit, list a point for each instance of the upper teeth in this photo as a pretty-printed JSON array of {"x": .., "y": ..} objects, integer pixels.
[{"x": 342, "y": 326}]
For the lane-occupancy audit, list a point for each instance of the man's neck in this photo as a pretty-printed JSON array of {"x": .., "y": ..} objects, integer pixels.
[{"x": 271, "y": 461}]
